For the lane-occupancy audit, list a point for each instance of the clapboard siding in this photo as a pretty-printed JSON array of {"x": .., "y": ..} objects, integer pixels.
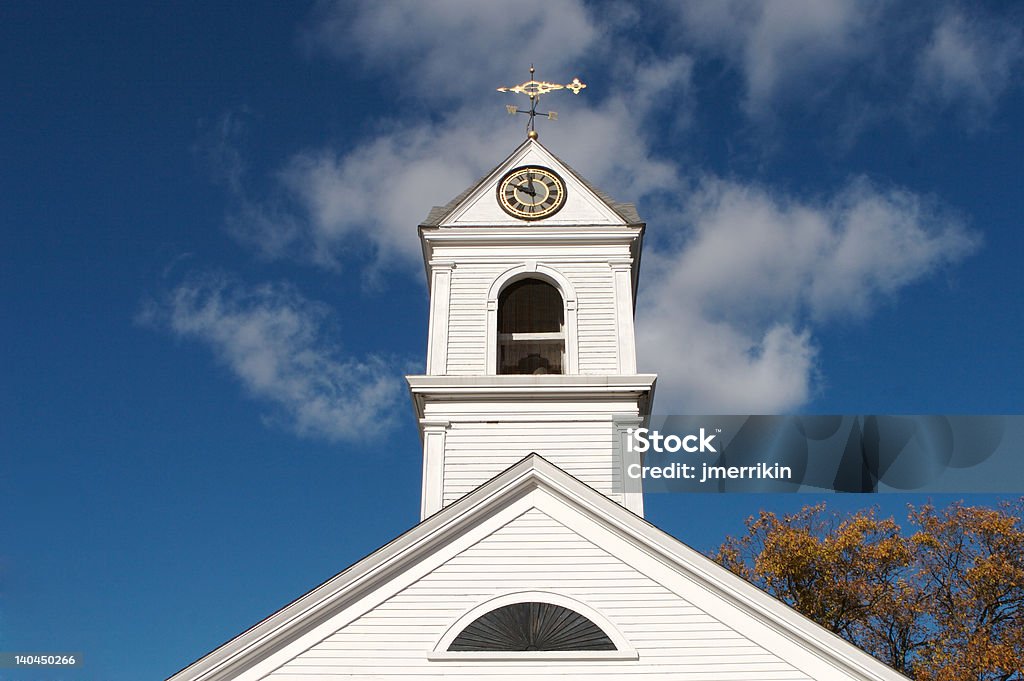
[
  {"x": 597, "y": 335},
  {"x": 596, "y": 329},
  {"x": 476, "y": 452},
  {"x": 673, "y": 638},
  {"x": 467, "y": 318}
]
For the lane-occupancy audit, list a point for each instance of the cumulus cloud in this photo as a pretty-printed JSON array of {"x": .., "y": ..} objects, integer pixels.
[
  {"x": 912, "y": 57},
  {"x": 777, "y": 45},
  {"x": 434, "y": 42},
  {"x": 969, "y": 61},
  {"x": 830, "y": 257},
  {"x": 613, "y": 140},
  {"x": 363, "y": 203},
  {"x": 729, "y": 310},
  {"x": 709, "y": 367},
  {"x": 369, "y": 198},
  {"x": 272, "y": 339},
  {"x": 331, "y": 205},
  {"x": 728, "y": 317}
]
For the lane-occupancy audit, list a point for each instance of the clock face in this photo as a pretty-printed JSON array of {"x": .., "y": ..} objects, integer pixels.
[{"x": 531, "y": 193}]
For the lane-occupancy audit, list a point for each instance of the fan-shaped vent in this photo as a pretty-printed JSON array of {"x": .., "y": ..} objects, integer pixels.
[{"x": 532, "y": 626}]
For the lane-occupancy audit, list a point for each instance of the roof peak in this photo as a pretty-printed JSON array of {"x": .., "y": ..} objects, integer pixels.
[{"x": 626, "y": 212}]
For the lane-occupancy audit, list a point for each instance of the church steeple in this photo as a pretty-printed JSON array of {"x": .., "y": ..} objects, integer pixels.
[
  {"x": 532, "y": 276},
  {"x": 533, "y": 574}
]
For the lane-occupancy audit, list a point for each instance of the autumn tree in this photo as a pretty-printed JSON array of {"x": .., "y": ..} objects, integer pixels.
[{"x": 941, "y": 601}]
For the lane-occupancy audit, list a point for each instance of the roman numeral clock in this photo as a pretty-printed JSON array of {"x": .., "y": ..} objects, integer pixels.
[{"x": 531, "y": 192}]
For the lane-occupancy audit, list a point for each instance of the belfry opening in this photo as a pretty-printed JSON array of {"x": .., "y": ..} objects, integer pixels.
[{"x": 531, "y": 329}]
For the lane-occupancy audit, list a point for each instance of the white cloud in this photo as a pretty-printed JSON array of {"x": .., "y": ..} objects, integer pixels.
[
  {"x": 726, "y": 317},
  {"x": 371, "y": 198},
  {"x": 783, "y": 44},
  {"x": 832, "y": 257},
  {"x": 447, "y": 48},
  {"x": 272, "y": 339},
  {"x": 364, "y": 203},
  {"x": 612, "y": 144},
  {"x": 879, "y": 60},
  {"x": 969, "y": 61},
  {"x": 760, "y": 271},
  {"x": 708, "y": 367},
  {"x": 374, "y": 196},
  {"x": 327, "y": 208}
]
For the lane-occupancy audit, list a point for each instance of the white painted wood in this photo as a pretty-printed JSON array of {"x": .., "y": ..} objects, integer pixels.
[
  {"x": 534, "y": 552},
  {"x": 437, "y": 332},
  {"x": 632, "y": 488},
  {"x": 535, "y": 527},
  {"x": 626, "y": 344},
  {"x": 497, "y": 420},
  {"x": 582, "y": 206},
  {"x": 477, "y": 451},
  {"x": 572, "y": 250},
  {"x": 591, "y": 315},
  {"x": 587, "y": 252},
  {"x": 434, "y": 433}
]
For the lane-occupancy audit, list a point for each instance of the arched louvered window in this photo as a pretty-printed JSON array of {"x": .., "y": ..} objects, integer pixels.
[
  {"x": 531, "y": 329},
  {"x": 531, "y": 627}
]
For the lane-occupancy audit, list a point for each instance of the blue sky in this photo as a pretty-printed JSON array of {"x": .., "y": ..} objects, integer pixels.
[{"x": 212, "y": 286}]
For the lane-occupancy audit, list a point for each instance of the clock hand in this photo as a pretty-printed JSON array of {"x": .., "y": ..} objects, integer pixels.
[{"x": 527, "y": 190}]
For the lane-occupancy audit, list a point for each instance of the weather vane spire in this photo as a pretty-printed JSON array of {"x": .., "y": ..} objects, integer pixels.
[{"x": 534, "y": 89}]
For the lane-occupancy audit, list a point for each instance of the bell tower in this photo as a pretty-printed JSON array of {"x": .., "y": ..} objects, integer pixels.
[{"x": 532, "y": 275}]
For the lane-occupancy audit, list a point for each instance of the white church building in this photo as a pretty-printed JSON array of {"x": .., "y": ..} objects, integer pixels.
[{"x": 532, "y": 559}]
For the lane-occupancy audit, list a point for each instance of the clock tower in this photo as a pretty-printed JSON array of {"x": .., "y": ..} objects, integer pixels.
[{"x": 532, "y": 275}]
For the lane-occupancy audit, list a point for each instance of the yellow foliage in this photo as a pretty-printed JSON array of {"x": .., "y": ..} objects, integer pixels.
[{"x": 942, "y": 603}]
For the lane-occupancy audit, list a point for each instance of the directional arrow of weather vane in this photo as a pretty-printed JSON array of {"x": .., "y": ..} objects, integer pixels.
[{"x": 534, "y": 89}]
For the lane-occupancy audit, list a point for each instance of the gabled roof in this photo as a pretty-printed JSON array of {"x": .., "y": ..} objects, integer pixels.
[
  {"x": 782, "y": 629},
  {"x": 625, "y": 211}
]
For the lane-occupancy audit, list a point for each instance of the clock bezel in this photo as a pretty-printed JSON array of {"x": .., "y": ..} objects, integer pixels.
[{"x": 522, "y": 215}]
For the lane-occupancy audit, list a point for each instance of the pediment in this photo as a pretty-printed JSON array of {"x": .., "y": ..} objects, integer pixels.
[
  {"x": 584, "y": 205},
  {"x": 536, "y": 534}
]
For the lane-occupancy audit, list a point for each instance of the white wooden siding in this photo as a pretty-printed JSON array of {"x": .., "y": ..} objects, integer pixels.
[
  {"x": 673, "y": 638},
  {"x": 596, "y": 324},
  {"x": 476, "y": 452},
  {"x": 595, "y": 317},
  {"x": 467, "y": 319},
  {"x": 582, "y": 206}
]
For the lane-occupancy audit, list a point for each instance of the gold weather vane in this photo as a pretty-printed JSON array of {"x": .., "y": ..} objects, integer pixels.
[{"x": 534, "y": 89}]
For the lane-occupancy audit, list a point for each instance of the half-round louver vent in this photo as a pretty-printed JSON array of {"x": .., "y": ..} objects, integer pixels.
[{"x": 532, "y": 626}]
